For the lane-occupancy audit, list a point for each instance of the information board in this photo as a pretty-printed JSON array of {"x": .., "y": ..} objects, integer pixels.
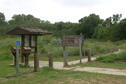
[{"x": 71, "y": 40}]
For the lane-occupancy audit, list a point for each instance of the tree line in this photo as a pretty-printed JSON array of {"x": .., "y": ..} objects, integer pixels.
[{"x": 92, "y": 26}]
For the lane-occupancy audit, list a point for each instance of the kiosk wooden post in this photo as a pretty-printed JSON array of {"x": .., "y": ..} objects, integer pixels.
[
  {"x": 36, "y": 58},
  {"x": 17, "y": 56},
  {"x": 22, "y": 45}
]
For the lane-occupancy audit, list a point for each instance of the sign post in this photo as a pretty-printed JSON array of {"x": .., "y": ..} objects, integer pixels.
[
  {"x": 65, "y": 55},
  {"x": 17, "y": 56},
  {"x": 80, "y": 44}
]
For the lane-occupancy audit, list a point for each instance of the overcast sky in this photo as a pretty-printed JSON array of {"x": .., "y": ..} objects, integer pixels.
[{"x": 62, "y": 10}]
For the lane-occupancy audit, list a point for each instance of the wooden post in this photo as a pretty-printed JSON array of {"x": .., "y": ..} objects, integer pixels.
[
  {"x": 80, "y": 45},
  {"x": 80, "y": 53},
  {"x": 30, "y": 41},
  {"x": 26, "y": 61},
  {"x": 89, "y": 56},
  {"x": 84, "y": 50},
  {"x": 50, "y": 57},
  {"x": 22, "y": 45},
  {"x": 36, "y": 58},
  {"x": 14, "y": 60},
  {"x": 13, "y": 51},
  {"x": 17, "y": 56},
  {"x": 65, "y": 56}
]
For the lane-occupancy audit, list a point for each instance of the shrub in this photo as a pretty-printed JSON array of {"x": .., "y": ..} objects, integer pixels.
[{"x": 112, "y": 57}]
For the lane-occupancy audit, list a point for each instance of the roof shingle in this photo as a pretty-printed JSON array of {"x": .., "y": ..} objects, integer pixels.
[{"x": 28, "y": 31}]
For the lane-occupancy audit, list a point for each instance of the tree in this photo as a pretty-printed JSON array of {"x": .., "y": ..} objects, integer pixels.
[
  {"x": 107, "y": 22},
  {"x": 2, "y": 18},
  {"x": 64, "y": 28},
  {"x": 111, "y": 29},
  {"x": 116, "y": 18},
  {"x": 24, "y": 20},
  {"x": 88, "y": 24},
  {"x": 120, "y": 30}
]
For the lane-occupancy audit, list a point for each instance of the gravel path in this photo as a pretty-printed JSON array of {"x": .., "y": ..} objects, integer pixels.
[
  {"x": 102, "y": 70},
  {"x": 59, "y": 65}
]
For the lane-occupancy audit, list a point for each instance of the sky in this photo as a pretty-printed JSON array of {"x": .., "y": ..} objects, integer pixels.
[{"x": 63, "y": 10}]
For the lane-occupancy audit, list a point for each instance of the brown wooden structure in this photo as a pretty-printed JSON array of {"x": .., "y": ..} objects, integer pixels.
[
  {"x": 29, "y": 39},
  {"x": 13, "y": 51},
  {"x": 71, "y": 40}
]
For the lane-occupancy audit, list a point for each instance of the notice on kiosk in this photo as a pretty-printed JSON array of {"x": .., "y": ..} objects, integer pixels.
[{"x": 18, "y": 43}]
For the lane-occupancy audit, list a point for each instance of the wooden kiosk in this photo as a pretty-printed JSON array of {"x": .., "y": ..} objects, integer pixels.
[{"x": 29, "y": 39}]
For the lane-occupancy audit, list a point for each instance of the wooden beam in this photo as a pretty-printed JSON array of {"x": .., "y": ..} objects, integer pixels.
[
  {"x": 26, "y": 60},
  {"x": 65, "y": 56},
  {"x": 50, "y": 57},
  {"x": 89, "y": 55},
  {"x": 30, "y": 40},
  {"x": 36, "y": 58},
  {"x": 22, "y": 45},
  {"x": 81, "y": 46}
]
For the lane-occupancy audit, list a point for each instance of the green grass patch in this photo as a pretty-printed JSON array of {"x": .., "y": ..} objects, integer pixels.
[
  {"x": 113, "y": 57},
  {"x": 117, "y": 61},
  {"x": 7, "y": 69},
  {"x": 51, "y": 76}
]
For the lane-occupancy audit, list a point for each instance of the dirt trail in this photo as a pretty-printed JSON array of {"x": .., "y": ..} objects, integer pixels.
[
  {"x": 102, "y": 70},
  {"x": 59, "y": 65}
]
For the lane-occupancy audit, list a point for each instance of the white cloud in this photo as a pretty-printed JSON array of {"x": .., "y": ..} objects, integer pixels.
[
  {"x": 79, "y": 3},
  {"x": 62, "y": 10}
]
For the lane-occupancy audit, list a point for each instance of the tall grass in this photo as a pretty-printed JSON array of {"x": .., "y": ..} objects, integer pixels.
[
  {"x": 52, "y": 44},
  {"x": 5, "y": 45},
  {"x": 113, "y": 57}
]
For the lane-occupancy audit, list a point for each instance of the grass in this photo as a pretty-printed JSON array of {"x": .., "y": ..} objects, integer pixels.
[
  {"x": 110, "y": 61},
  {"x": 9, "y": 70},
  {"x": 51, "y": 44},
  {"x": 113, "y": 57},
  {"x": 51, "y": 76}
]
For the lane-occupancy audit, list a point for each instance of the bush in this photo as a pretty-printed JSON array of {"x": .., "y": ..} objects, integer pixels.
[{"x": 113, "y": 57}]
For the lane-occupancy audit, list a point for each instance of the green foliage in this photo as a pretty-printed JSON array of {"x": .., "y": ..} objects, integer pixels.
[
  {"x": 88, "y": 24},
  {"x": 68, "y": 28},
  {"x": 113, "y": 57},
  {"x": 92, "y": 26},
  {"x": 116, "y": 18},
  {"x": 111, "y": 29},
  {"x": 24, "y": 20},
  {"x": 102, "y": 33},
  {"x": 2, "y": 18},
  {"x": 120, "y": 30}
]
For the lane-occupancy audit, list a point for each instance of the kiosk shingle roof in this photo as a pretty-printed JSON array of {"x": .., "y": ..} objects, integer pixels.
[{"x": 28, "y": 31}]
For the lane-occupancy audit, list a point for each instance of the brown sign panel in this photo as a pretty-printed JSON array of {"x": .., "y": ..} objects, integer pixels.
[{"x": 72, "y": 40}]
